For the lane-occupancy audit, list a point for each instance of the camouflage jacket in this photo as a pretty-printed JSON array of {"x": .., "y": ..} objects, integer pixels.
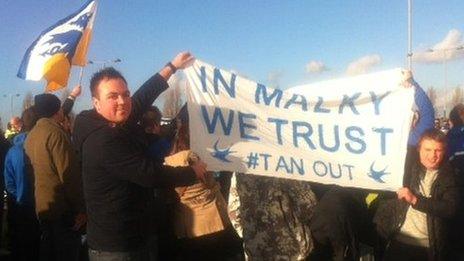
[{"x": 274, "y": 215}]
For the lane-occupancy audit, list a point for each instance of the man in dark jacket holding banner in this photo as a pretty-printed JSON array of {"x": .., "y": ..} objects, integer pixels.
[
  {"x": 117, "y": 172},
  {"x": 416, "y": 224}
]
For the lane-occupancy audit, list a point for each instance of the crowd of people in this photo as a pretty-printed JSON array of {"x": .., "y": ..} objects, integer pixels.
[{"x": 114, "y": 184}]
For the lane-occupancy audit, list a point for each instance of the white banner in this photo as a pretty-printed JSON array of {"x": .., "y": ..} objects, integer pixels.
[{"x": 351, "y": 132}]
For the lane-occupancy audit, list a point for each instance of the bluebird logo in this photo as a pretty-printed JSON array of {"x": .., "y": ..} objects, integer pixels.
[
  {"x": 62, "y": 43},
  {"x": 221, "y": 154},
  {"x": 66, "y": 40},
  {"x": 377, "y": 175}
]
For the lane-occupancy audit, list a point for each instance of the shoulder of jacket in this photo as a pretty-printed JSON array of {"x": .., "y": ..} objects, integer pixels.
[{"x": 447, "y": 173}]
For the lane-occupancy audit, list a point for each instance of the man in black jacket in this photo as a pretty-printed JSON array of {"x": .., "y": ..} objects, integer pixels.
[
  {"x": 117, "y": 172},
  {"x": 416, "y": 224}
]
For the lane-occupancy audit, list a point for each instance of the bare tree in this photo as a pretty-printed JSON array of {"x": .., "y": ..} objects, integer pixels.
[
  {"x": 173, "y": 100},
  {"x": 432, "y": 93},
  {"x": 274, "y": 78},
  {"x": 28, "y": 100},
  {"x": 457, "y": 96}
]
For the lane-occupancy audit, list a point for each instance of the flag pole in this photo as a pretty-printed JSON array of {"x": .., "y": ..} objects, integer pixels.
[
  {"x": 410, "y": 35},
  {"x": 81, "y": 74}
]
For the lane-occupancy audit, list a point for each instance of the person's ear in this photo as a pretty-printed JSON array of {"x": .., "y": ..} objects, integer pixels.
[{"x": 96, "y": 103}]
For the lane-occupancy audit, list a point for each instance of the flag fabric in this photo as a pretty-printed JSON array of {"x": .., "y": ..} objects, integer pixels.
[
  {"x": 59, "y": 47},
  {"x": 350, "y": 132}
]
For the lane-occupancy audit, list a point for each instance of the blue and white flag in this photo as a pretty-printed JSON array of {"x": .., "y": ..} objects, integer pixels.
[
  {"x": 350, "y": 132},
  {"x": 65, "y": 43}
]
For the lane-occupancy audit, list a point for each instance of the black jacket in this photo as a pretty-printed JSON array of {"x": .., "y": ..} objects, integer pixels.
[
  {"x": 440, "y": 208},
  {"x": 341, "y": 220},
  {"x": 118, "y": 174},
  {"x": 4, "y": 147}
]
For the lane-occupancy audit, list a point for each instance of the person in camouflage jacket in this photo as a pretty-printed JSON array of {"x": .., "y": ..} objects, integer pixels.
[{"x": 274, "y": 214}]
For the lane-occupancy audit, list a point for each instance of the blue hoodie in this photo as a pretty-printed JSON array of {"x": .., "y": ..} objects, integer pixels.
[
  {"x": 426, "y": 115},
  {"x": 455, "y": 151},
  {"x": 18, "y": 183}
]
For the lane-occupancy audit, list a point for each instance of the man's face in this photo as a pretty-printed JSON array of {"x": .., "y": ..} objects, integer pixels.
[
  {"x": 113, "y": 100},
  {"x": 431, "y": 153},
  {"x": 16, "y": 124}
]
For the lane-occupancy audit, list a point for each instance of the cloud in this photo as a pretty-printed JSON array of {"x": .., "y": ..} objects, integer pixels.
[
  {"x": 450, "y": 48},
  {"x": 363, "y": 64},
  {"x": 316, "y": 67}
]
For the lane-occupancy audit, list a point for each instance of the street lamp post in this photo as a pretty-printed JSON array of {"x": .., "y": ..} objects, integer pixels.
[
  {"x": 444, "y": 50},
  {"x": 11, "y": 95},
  {"x": 410, "y": 35},
  {"x": 104, "y": 62},
  {"x": 445, "y": 68}
]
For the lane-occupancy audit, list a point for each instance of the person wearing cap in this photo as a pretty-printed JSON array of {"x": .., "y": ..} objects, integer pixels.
[
  {"x": 118, "y": 175},
  {"x": 59, "y": 201}
]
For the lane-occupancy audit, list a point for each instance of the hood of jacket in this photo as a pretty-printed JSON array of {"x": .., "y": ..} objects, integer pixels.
[
  {"x": 85, "y": 124},
  {"x": 456, "y": 132},
  {"x": 19, "y": 139}
]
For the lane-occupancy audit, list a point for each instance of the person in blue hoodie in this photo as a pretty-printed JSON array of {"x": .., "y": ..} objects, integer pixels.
[
  {"x": 455, "y": 136},
  {"x": 23, "y": 225},
  {"x": 423, "y": 120},
  {"x": 22, "y": 222},
  {"x": 455, "y": 156}
]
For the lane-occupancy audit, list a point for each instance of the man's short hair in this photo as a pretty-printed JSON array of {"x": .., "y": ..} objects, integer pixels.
[
  {"x": 455, "y": 115},
  {"x": 105, "y": 73},
  {"x": 435, "y": 135},
  {"x": 151, "y": 117}
]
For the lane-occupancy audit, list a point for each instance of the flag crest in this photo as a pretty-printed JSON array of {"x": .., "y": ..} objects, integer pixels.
[{"x": 57, "y": 48}]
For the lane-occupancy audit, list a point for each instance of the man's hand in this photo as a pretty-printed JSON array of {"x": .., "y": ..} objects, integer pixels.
[
  {"x": 407, "y": 79},
  {"x": 200, "y": 170},
  {"x": 79, "y": 221},
  {"x": 76, "y": 91},
  {"x": 406, "y": 195},
  {"x": 183, "y": 60}
]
